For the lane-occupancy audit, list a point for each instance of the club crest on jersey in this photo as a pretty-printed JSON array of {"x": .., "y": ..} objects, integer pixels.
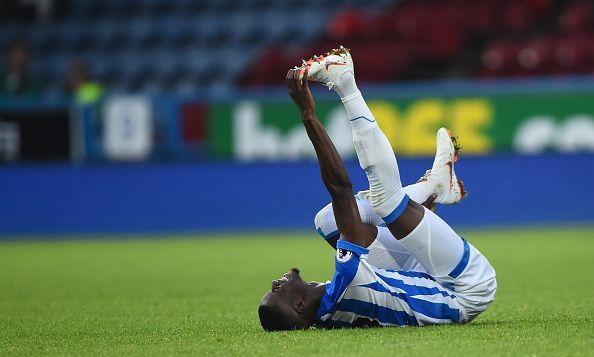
[{"x": 343, "y": 255}]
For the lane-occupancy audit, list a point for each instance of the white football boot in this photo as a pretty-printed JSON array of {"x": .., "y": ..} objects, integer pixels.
[
  {"x": 329, "y": 68},
  {"x": 442, "y": 175}
]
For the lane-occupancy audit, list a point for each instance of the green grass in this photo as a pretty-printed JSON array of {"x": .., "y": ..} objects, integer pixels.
[{"x": 200, "y": 296}]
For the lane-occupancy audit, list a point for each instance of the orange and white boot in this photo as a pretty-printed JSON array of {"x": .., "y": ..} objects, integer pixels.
[
  {"x": 449, "y": 188},
  {"x": 328, "y": 69}
]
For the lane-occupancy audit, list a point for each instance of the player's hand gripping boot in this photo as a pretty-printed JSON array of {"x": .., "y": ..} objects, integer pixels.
[{"x": 328, "y": 69}]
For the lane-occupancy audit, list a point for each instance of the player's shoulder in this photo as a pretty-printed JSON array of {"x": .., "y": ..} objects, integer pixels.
[
  {"x": 346, "y": 248},
  {"x": 350, "y": 260},
  {"x": 343, "y": 255},
  {"x": 349, "y": 256}
]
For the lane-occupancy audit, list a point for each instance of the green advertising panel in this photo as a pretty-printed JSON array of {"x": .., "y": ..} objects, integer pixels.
[{"x": 526, "y": 123}]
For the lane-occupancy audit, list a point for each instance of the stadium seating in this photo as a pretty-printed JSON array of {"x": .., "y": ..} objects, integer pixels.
[
  {"x": 177, "y": 45},
  {"x": 489, "y": 38}
]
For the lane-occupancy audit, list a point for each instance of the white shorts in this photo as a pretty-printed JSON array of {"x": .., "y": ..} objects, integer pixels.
[
  {"x": 474, "y": 286},
  {"x": 433, "y": 247}
]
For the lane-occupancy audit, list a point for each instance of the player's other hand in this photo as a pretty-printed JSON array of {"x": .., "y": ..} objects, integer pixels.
[{"x": 299, "y": 91}]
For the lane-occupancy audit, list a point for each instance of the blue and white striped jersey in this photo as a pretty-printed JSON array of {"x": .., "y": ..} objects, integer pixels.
[{"x": 362, "y": 295}]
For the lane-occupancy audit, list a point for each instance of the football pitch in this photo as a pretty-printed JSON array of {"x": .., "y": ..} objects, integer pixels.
[{"x": 199, "y": 295}]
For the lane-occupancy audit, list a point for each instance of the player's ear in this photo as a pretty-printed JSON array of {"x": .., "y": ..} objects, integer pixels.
[{"x": 299, "y": 306}]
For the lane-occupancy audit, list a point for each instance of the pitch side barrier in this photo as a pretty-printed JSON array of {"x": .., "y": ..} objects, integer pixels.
[{"x": 229, "y": 196}]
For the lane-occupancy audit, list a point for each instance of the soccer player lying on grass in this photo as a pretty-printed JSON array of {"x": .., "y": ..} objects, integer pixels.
[{"x": 415, "y": 271}]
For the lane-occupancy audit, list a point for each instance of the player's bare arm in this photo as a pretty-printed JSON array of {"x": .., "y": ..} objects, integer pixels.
[{"x": 332, "y": 169}]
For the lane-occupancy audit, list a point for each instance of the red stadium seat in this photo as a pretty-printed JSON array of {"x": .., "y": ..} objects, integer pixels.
[
  {"x": 385, "y": 26},
  {"x": 372, "y": 63},
  {"x": 271, "y": 69},
  {"x": 478, "y": 18},
  {"x": 500, "y": 59},
  {"x": 444, "y": 37},
  {"x": 402, "y": 56},
  {"x": 348, "y": 25},
  {"x": 516, "y": 17},
  {"x": 539, "y": 8},
  {"x": 574, "y": 54},
  {"x": 537, "y": 56},
  {"x": 577, "y": 18},
  {"x": 408, "y": 21}
]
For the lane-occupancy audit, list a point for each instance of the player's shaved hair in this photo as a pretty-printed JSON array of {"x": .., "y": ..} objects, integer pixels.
[{"x": 275, "y": 316}]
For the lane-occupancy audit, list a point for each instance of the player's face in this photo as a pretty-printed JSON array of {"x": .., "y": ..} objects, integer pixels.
[
  {"x": 286, "y": 284},
  {"x": 288, "y": 288},
  {"x": 285, "y": 290}
]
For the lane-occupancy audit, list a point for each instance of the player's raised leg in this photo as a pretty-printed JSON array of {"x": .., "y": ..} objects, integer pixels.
[
  {"x": 374, "y": 151},
  {"x": 423, "y": 233},
  {"x": 441, "y": 181}
]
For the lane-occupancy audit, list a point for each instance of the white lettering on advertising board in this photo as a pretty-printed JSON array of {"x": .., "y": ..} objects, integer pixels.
[{"x": 128, "y": 128}]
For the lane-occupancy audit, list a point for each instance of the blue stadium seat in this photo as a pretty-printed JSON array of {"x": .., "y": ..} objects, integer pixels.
[
  {"x": 109, "y": 35},
  {"x": 178, "y": 44},
  {"x": 179, "y": 32},
  {"x": 8, "y": 33},
  {"x": 199, "y": 64},
  {"x": 133, "y": 67},
  {"x": 52, "y": 69},
  {"x": 276, "y": 28},
  {"x": 91, "y": 9},
  {"x": 235, "y": 60},
  {"x": 245, "y": 30},
  {"x": 100, "y": 67},
  {"x": 222, "y": 6},
  {"x": 190, "y": 7},
  {"x": 123, "y": 9},
  {"x": 254, "y": 6},
  {"x": 45, "y": 38},
  {"x": 74, "y": 37},
  {"x": 213, "y": 31},
  {"x": 166, "y": 68},
  {"x": 289, "y": 5},
  {"x": 316, "y": 21},
  {"x": 141, "y": 33},
  {"x": 157, "y": 7}
]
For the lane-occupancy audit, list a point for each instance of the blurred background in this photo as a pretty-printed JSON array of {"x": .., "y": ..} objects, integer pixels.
[{"x": 157, "y": 116}]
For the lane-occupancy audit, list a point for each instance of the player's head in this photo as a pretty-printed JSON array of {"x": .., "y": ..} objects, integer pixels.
[{"x": 285, "y": 306}]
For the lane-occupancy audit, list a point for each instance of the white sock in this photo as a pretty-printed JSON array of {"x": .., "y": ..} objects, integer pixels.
[
  {"x": 346, "y": 86},
  {"x": 420, "y": 191},
  {"x": 375, "y": 153}
]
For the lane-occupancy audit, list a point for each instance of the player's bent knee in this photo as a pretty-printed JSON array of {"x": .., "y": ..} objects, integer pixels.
[
  {"x": 326, "y": 223},
  {"x": 389, "y": 208}
]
